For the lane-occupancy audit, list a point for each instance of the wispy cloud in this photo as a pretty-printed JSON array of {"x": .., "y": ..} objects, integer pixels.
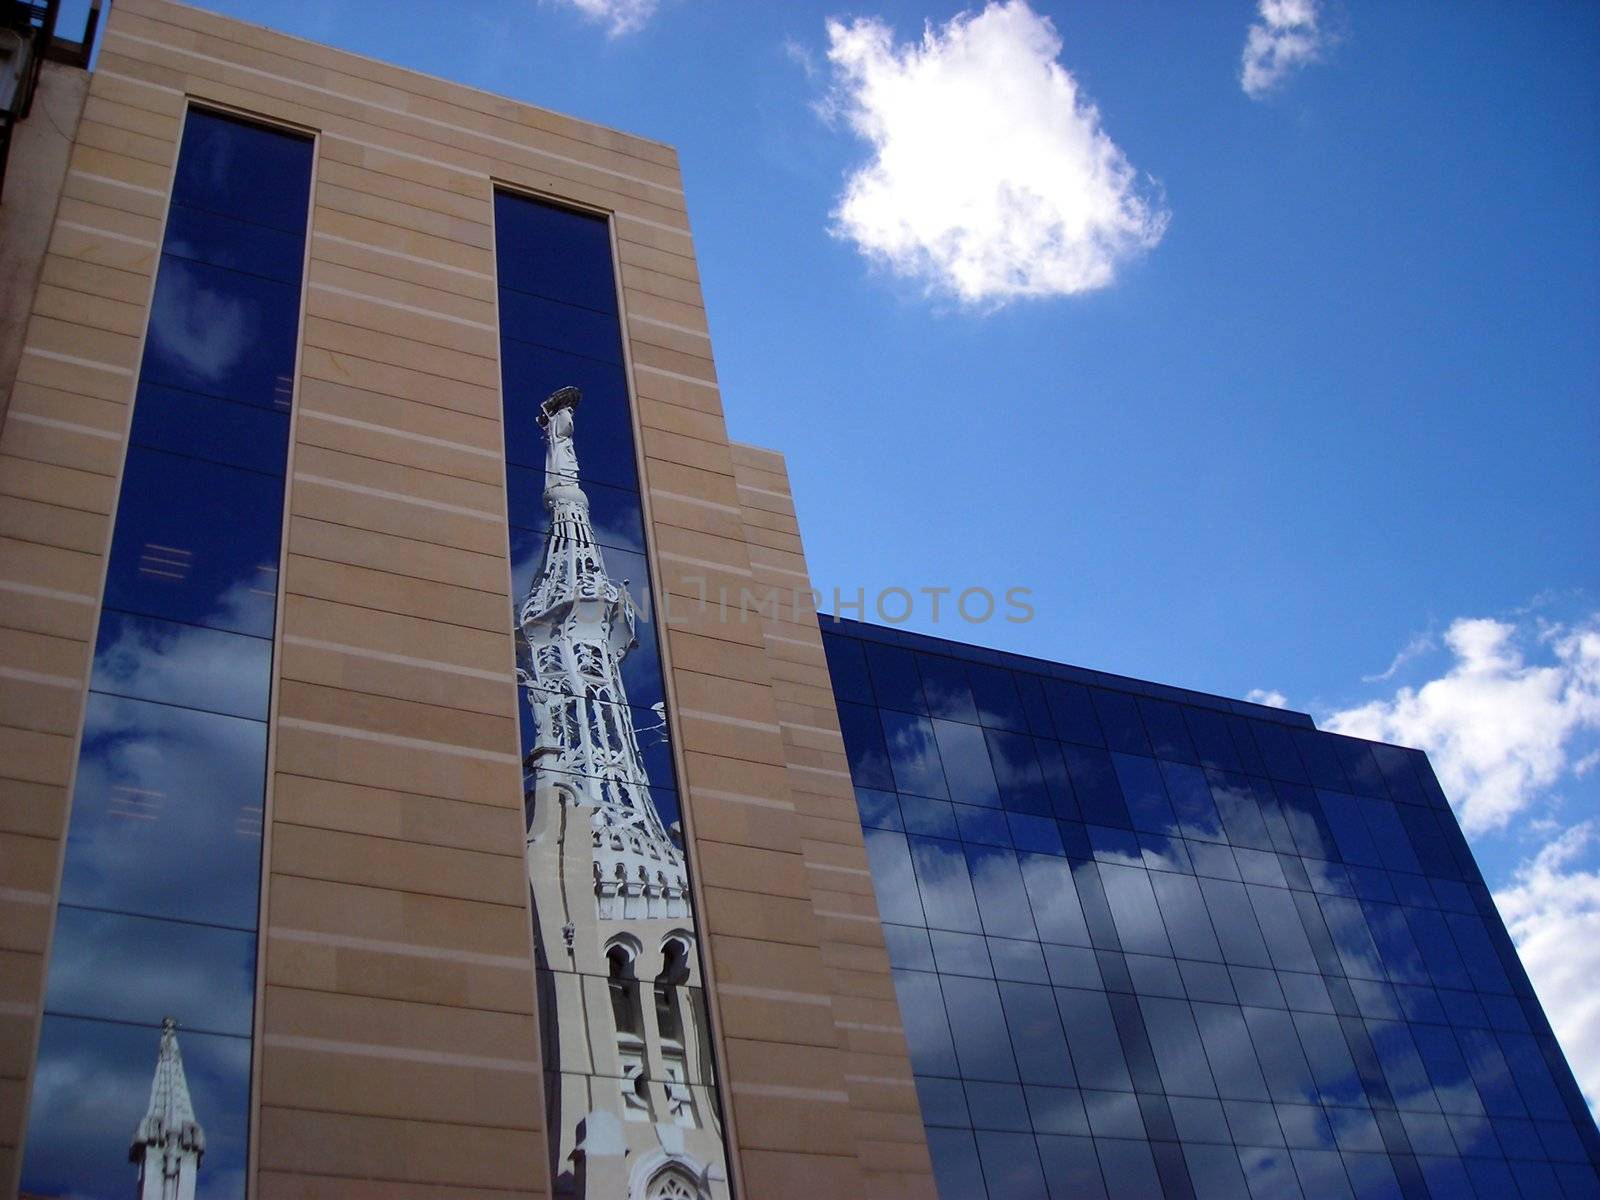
[
  {"x": 1286, "y": 34},
  {"x": 1498, "y": 728},
  {"x": 991, "y": 177},
  {"x": 1552, "y": 909},
  {"x": 1417, "y": 646},
  {"x": 620, "y": 17}
]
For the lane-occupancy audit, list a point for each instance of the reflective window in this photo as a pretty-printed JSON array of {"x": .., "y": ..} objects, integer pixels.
[
  {"x": 592, "y": 712},
  {"x": 152, "y": 970},
  {"x": 1174, "y": 951}
]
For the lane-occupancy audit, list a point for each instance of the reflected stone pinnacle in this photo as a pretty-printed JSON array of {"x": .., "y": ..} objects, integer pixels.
[{"x": 559, "y": 399}]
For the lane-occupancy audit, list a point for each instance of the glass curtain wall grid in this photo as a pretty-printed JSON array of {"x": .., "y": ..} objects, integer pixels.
[
  {"x": 1145, "y": 946},
  {"x": 631, "y": 1091},
  {"x": 144, "y": 1058}
]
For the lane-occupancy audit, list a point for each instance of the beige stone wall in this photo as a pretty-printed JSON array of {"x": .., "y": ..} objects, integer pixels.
[
  {"x": 853, "y": 988},
  {"x": 397, "y": 1049},
  {"x": 36, "y": 168}
]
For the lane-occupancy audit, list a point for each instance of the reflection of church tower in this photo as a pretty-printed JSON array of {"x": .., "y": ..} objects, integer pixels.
[
  {"x": 630, "y": 1108},
  {"x": 169, "y": 1142}
]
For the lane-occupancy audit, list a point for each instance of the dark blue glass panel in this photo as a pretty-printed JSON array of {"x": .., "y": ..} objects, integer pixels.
[
  {"x": 1320, "y": 759},
  {"x": 237, "y": 245},
  {"x": 1040, "y": 834},
  {"x": 1438, "y": 948},
  {"x": 943, "y": 1102},
  {"x": 847, "y": 667},
  {"x": 604, "y": 436},
  {"x": 977, "y": 1023},
  {"x": 166, "y": 813},
  {"x": 960, "y": 954},
  {"x": 570, "y": 328},
  {"x": 1092, "y": 1035},
  {"x": 140, "y": 970},
  {"x": 1184, "y": 911},
  {"x": 1129, "y": 1169},
  {"x": 220, "y": 431},
  {"x": 1309, "y": 826},
  {"x": 551, "y": 252},
  {"x": 1011, "y": 1166},
  {"x": 965, "y": 758},
  {"x": 947, "y": 899},
  {"x": 895, "y": 680},
  {"x": 1235, "y": 922},
  {"x": 1177, "y": 1046},
  {"x": 932, "y": 818},
  {"x": 1094, "y": 783},
  {"x": 1057, "y": 782},
  {"x": 1133, "y": 907},
  {"x": 206, "y": 669},
  {"x": 1071, "y": 1168},
  {"x": 92, "y": 1087},
  {"x": 1017, "y": 960},
  {"x": 998, "y": 1106},
  {"x": 1119, "y": 718},
  {"x": 1030, "y": 690},
  {"x": 892, "y": 877},
  {"x": 913, "y": 755},
  {"x": 242, "y": 170},
  {"x": 1191, "y": 799},
  {"x": 1036, "y": 1034},
  {"x": 927, "y": 1030},
  {"x": 172, "y": 558},
  {"x": 945, "y": 688},
  {"x": 878, "y": 810},
  {"x": 1169, "y": 736},
  {"x": 1278, "y": 752},
  {"x": 1017, "y": 773},
  {"x": 865, "y": 747},
  {"x": 980, "y": 826},
  {"x": 1072, "y": 714},
  {"x": 994, "y": 693},
  {"x": 222, "y": 333},
  {"x": 909, "y": 947},
  {"x": 1215, "y": 1173},
  {"x": 1283, "y": 1062},
  {"x": 1213, "y": 743},
  {"x": 1235, "y": 798},
  {"x": 1053, "y": 899},
  {"x": 1144, "y": 793},
  {"x": 1350, "y": 829},
  {"x": 997, "y": 883}
]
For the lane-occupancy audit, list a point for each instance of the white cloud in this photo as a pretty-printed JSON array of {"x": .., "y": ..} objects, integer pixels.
[
  {"x": 1419, "y": 645},
  {"x": 1271, "y": 698},
  {"x": 1498, "y": 729},
  {"x": 991, "y": 177},
  {"x": 1552, "y": 910},
  {"x": 1286, "y": 34},
  {"x": 618, "y": 16}
]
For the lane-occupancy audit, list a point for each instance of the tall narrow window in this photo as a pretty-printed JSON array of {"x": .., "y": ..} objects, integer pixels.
[
  {"x": 144, "y": 1059},
  {"x": 606, "y": 861}
]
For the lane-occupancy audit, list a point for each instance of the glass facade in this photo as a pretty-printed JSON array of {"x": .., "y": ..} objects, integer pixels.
[
  {"x": 631, "y": 1091},
  {"x": 1148, "y": 942},
  {"x": 161, "y": 878}
]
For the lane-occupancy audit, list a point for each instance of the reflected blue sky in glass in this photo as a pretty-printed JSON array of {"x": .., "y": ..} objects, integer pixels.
[
  {"x": 1254, "y": 948},
  {"x": 162, "y": 867},
  {"x": 91, "y": 1090},
  {"x": 166, "y": 813}
]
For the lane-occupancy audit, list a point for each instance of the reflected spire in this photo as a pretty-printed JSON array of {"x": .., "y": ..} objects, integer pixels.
[
  {"x": 169, "y": 1142},
  {"x": 576, "y": 625}
]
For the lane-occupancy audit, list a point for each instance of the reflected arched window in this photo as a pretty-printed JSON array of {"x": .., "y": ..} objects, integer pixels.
[
  {"x": 672, "y": 1184},
  {"x": 674, "y": 974},
  {"x": 624, "y": 988}
]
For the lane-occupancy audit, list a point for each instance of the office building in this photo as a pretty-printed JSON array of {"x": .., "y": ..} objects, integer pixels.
[{"x": 402, "y": 796}]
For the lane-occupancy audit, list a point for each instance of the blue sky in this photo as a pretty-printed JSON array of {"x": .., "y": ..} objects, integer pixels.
[{"x": 1267, "y": 388}]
